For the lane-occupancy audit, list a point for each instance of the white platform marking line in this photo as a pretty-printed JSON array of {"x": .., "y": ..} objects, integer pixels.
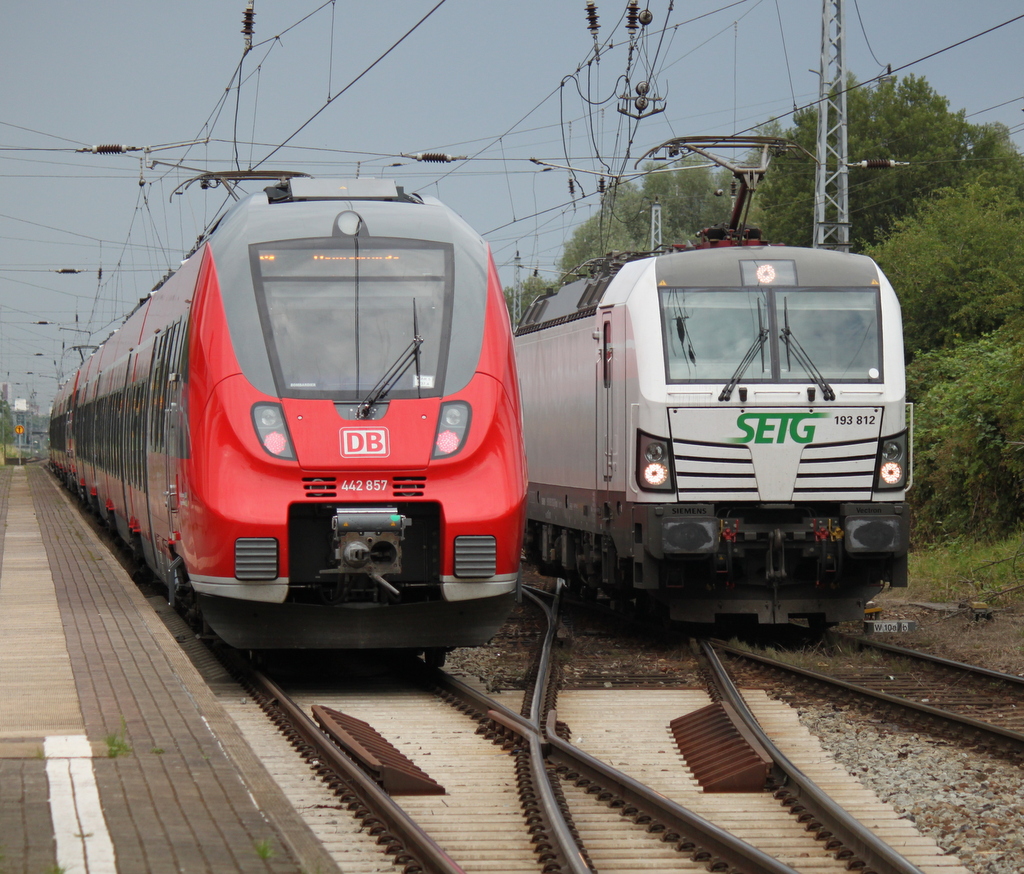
[{"x": 79, "y": 827}]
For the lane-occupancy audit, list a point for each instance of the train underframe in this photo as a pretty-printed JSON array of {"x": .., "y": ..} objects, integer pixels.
[{"x": 705, "y": 564}]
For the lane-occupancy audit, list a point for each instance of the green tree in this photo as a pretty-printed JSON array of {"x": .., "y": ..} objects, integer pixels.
[
  {"x": 6, "y": 425},
  {"x": 968, "y": 451},
  {"x": 956, "y": 265},
  {"x": 688, "y": 204},
  {"x": 533, "y": 287},
  {"x": 905, "y": 121}
]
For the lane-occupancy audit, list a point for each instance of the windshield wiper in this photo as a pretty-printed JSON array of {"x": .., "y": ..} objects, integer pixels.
[
  {"x": 389, "y": 380},
  {"x": 755, "y": 348},
  {"x": 803, "y": 359}
]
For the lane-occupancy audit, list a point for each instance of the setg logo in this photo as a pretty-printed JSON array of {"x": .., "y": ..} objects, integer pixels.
[
  {"x": 356, "y": 442},
  {"x": 775, "y": 427}
]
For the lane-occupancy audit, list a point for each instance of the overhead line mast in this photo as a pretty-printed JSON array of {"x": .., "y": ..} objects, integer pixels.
[{"x": 831, "y": 182}]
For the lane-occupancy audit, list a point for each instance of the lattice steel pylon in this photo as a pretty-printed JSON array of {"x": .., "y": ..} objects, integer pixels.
[{"x": 831, "y": 181}]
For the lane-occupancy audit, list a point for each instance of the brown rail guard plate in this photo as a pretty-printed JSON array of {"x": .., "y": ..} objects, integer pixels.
[
  {"x": 719, "y": 751},
  {"x": 390, "y": 768}
]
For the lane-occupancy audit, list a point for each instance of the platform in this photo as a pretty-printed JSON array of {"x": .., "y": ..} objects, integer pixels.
[{"x": 114, "y": 754}]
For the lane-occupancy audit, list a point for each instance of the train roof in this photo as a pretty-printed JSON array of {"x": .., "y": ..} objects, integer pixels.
[{"x": 718, "y": 267}]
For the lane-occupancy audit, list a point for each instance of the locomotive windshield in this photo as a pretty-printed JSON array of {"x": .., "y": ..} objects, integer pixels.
[
  {"x": 710, "y": 332},
  {"x": 338, "y": 314}
]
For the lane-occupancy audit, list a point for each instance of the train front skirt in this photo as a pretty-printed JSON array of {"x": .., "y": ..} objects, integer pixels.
[{"x": 423, "y": 625}]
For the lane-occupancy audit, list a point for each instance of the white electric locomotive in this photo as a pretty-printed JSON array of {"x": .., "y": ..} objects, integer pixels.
[{"x": 720, "y": 432}]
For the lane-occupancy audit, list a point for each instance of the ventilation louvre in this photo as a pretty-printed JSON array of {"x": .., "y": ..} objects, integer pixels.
[
  {"x": 256, "y": 558},
  {"x": 476, "y": 556}
]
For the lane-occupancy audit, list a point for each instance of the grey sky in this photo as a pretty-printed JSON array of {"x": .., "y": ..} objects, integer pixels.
[{"x": 499, "y": 82}]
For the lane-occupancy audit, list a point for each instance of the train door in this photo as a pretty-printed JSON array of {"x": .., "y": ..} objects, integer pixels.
[
  {"x": 173, "y": 425},
  {"x": 138, "y": 406},
  {"x": 164, "y": 402}
]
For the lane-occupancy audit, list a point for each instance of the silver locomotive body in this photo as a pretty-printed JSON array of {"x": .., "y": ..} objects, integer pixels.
[{"x": 721, "y": 432}]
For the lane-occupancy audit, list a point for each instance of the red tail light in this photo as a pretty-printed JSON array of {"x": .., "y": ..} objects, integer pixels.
[
  {"x": 268, "y": 419},
  {"x": 452, "y": 428}
]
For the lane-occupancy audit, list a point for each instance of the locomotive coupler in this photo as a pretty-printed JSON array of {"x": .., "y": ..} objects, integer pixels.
[{"x": 368, "y": 541}]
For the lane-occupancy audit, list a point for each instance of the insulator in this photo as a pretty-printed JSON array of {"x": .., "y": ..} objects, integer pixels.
[
  {"x": 247, "y": 23},
  {"x": 632, "y": 15},
  {"x": 878, "y": 164},
  {"x": 600, "y": 185},
  {"x": 436, "y": 157},
  {"x": 572, "y": 187},
  {"x": 109, "y": 150},
  {"x": 646, "y": 17},
  {"x": 642, "y": 88},
  {"x": 640, "y": 103},
  {"x": 592, "y": 24}
]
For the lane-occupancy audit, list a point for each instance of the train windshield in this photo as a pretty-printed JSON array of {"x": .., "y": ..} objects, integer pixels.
[
  {"x": 338, "y": 315},
  {"x": 771, "y": 335}
]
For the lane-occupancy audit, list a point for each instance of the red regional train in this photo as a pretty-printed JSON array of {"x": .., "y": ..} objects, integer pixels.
[{"x": 311, "y": 431}]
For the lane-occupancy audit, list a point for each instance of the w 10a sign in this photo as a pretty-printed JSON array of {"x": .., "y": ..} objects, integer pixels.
[{"x": 365, "y": 442}]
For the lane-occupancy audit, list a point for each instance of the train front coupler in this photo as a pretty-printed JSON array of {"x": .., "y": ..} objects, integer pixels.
[{"x": 369, "y": 541}]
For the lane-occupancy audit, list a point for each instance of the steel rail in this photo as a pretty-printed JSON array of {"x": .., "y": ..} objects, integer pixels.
[
  {"x": 567, "y": 848},
  {"x": 649, "y": 803},
  {"x": 928, "y": 658},
  {"x": 418, "y": 844},
  {"x": 992, "y": 733},
  {"x": 857, "y": 838}
]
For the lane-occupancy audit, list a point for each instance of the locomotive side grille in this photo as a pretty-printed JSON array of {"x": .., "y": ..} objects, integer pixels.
[
  {"x": 320, "y": 486},
  {"x": 476, "y": 556},
  {"x": 256, "y": 558},
  {"x": 837, "y": 471},
  {"x": 408, "y": 486},
  {"x": 714, "y": 471}
]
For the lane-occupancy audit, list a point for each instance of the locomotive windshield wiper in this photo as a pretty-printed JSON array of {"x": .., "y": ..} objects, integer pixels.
[
  {"x": 410, "y": 354},
  {"x": 755, "y": 347},
  {"x": 794, "y": 348}
]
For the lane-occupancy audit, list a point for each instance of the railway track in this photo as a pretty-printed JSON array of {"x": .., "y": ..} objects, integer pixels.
[
  {"x": 974, "y": 704},
  {"x": 619, "y": 797}
]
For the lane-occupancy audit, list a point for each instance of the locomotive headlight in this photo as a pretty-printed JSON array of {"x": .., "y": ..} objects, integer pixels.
[
  {"x": 892, "y": 465},
  {"x": 268, "y": 419},
  {"x": 655, "y": 474},
  {"x": 891, "y": 473},
  {"x": 655, "y": 452},
  {"x": 452, "y": 428},
  {"x": 653, "y": 463},
  {"x": 892, "y": 450}
]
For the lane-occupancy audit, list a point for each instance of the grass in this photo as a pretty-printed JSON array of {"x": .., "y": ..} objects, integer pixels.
[
  {"x": 968, "y": 570},
  {"x": 264, "y": 849},
  {"x": 117, "y": 743}
]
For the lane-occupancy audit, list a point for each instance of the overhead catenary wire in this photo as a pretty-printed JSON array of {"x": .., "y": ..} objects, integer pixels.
[{"x": 334, "y": 97}]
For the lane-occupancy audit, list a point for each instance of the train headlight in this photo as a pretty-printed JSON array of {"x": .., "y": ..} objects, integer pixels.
[
  {"x": 653, "y": 463},
  {"x": 891, "y": 472},
  {"x": 892, "y": 464},
  {"x": 655, "y": 452},
  {"x": 452, "y": 428},
  {"x": 268, "y": 419},
  {"x": 655, "y": 474}
]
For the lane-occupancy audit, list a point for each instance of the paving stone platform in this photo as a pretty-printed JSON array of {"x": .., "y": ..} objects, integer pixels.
[{"x": 114, "y": 754}]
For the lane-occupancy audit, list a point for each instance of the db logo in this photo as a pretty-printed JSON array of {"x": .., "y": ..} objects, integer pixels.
[{"x": 365, "y": 441}]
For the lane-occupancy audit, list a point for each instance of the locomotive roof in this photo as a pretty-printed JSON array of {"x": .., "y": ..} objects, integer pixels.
[{"x": 705, "y": 268}]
